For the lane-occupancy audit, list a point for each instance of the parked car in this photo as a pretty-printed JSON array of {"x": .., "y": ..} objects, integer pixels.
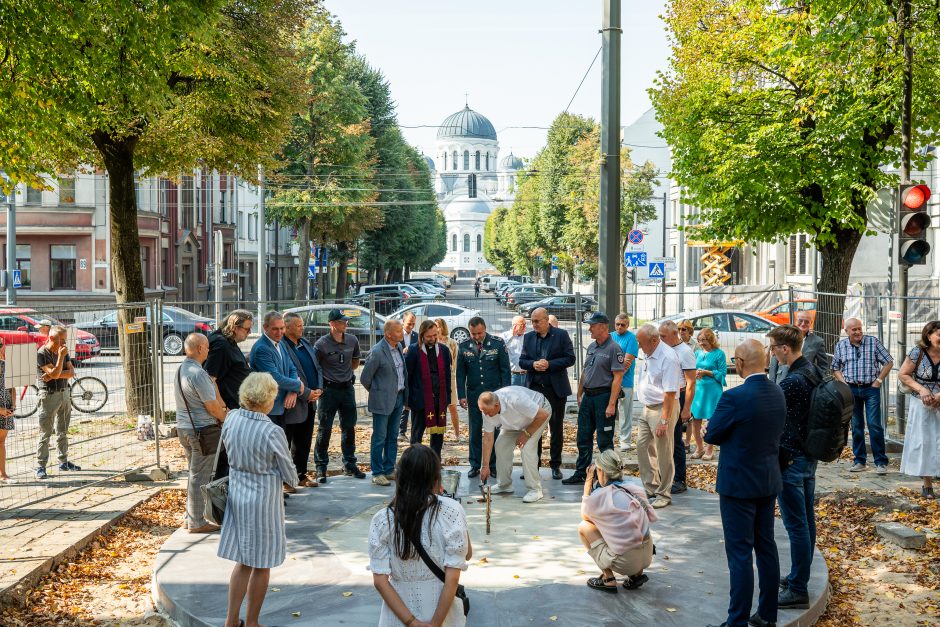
[
  {"x": 562, "y": 306},
  {"x": 426, "y": 285},
  {"x": 502, "y": 287},
  {"x": 730, "y": 325},
  {"x": 527, "y": 293},
  {"x": 26, "y": 321},
  {"x": 488, "y": 283},
  {"x": 386, "y": 301},
  {"x": 177, "y": 324},
  {"x": 442, "y": 279},
  {"x": 780, "y": 313},
  {"x": 316, "y": 323},
  {"x": 456, "y": 317},
  {"x": 411, "y": 290}
]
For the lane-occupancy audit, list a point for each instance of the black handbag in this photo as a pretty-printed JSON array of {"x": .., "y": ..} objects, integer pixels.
[
  {"x": 210, "y": 436},
  {"x": 434, "y": 568}
]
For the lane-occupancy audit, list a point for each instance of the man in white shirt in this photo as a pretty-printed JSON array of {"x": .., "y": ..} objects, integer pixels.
[
  {"x": 669, "y": 333},
  {"x": 522, "y": 415},
  {"x": 513, "y": 338},
  {"x": 657, "y": 387}
]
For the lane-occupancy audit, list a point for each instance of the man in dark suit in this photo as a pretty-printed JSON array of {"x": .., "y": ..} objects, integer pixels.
[
  {"x": 300, "y": 420},
  {"x": 547, "y": 353},
  {"x": 747, "y": 424},
  {"x": 409, "y": 339}
]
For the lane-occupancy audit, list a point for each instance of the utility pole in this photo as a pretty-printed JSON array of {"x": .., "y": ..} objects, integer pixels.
[
  {"x": 662, "y": 296},
  {"x": 906, "y": 113},
  {"x": 11, "y": 245},
  {"x": 262, "y": 250},
  {"x": 609, "y": 243}
]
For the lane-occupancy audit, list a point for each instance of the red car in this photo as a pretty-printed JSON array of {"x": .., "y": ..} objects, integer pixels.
[{"x": 20, "y": 325}]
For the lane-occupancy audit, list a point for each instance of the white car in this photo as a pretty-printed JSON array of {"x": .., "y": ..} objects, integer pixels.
[
  {"x": 456, "y": 317},
  {"x": 730, "y": 325}
]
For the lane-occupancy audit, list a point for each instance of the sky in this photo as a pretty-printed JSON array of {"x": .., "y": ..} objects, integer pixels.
[{"x": 520, "y": 61}]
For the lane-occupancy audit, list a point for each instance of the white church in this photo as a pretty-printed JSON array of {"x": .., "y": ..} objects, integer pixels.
[{"x": 471, "y": 181}]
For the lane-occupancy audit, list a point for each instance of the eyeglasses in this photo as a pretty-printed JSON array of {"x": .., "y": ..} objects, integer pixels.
[
  {"x": 620, "y": 324},
  {"x": 244, "y": 328},
  {"x": 773, "y": 346}
]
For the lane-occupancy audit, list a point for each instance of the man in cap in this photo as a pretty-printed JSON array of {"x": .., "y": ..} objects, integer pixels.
[
  {"x": 598, "y": 392},
  {"x": 338, "y": 354}
]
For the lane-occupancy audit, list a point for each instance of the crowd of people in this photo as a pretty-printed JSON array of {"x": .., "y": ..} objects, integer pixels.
[{"x": 515, "y": 389}]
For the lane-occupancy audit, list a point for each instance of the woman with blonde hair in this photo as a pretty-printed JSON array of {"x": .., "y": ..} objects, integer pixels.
[
  {"x": 711, "y": 369},
  {"x": 444, "y": 333}
]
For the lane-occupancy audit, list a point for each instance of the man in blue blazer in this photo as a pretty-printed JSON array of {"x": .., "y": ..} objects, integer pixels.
[
  {"x": 747, "y": 424},
  {"x": 269, "y": 355},
  {"x": 547, "y": 353},
  {"x": 299, "y": 421}
]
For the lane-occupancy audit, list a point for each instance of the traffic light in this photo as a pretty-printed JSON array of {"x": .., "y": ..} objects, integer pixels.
[{"x": 913, "y": 222}]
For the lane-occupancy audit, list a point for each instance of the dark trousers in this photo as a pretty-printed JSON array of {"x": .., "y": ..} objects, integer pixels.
[
  {"x": 556, "y": 424},
  {"x": 342, "y": 400},
  {"x": 436, "y": 439},
  {"x": 678, "y": 446},
  {"x": 868, "y": 405},
  {"x": 476, "y": 435},
  {"x": 300, "y": 439},
  {"x": 592, "y": 417},
  {"x": 796, "y": 508},
  {"x": 748, "y": 526},
  {"x": 405, "y": 414}
]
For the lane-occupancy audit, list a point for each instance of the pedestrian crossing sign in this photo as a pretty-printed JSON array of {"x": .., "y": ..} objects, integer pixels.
[{"x": 657, "y": 270}]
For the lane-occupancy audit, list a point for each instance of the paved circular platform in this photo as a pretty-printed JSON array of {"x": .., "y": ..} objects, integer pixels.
[{"x": 534, "y": 570}]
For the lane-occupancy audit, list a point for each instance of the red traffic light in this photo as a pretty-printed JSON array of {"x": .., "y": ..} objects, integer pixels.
[{"x": 915, "y": 196}]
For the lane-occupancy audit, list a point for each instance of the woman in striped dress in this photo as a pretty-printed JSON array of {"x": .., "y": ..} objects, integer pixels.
[{"x": 253, "y": 527}]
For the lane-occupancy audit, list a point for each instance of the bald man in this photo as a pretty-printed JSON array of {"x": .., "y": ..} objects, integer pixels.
[
  {"x": 748, "y": 424},
  {"x": 513, "y": 338}
]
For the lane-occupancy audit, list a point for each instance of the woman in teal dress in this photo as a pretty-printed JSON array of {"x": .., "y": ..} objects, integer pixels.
[{"x": 711, "y": 367}]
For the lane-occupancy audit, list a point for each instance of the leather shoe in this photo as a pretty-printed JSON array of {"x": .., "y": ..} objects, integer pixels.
[
  {"x": 556, "y": 473},
  {"x": 206, "y": 528},
  {"x": 573, "y": 480},
  {"x": 678, "y": 487},
  {"x": 788, "y": 599},
  {"x": 474, "y": 472},
  {"x": 289, "y": 489},
  {"x": 354, "y": 472},
  {"x": 756, "y": 621},
  {"x": 725, "y": 624}
]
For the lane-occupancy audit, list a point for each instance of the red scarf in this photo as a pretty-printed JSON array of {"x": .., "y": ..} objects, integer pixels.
[{"x": 434, "y": 417}]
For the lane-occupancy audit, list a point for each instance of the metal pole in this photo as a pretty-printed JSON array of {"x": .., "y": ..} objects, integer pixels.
[
  {"x": 11, "y": 246},
  {"x": 906, "y": 129},
  {"x": 262, "y": 250},
  {"x": 681, "y": 255},
  {"x": 156, "y": 319},
  {"x": 577, "y": 334},
  {"x": 609, "y": 243},
  {"x": 662, "y": 298},
  {"x": 792, "y": 302},
  {"x": 219, "y": 262}
]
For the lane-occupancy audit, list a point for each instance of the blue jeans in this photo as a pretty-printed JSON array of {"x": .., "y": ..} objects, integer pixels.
[
  {"x": 796, "y": 508},
  {"x": 868, "y": 404},
  {"x": 517, "y": 379},
  {"x": 384, "y": 448}
]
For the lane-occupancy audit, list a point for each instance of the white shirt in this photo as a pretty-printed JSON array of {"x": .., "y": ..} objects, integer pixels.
[
  {"x": 686, "y": 356},
  {"x": 517, "y": 409},
  {"x": 514, "y": 347},
  {"x": 660, "y": 373}
]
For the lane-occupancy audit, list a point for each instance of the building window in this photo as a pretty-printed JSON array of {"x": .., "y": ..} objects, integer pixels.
[
  {"x": 445, "y": 161},
  {"x": 62, "y": 271},
  {"x": 479, "y": 243},
  {"x": 466, "y": 159},
  {"x": 476, "y": 161},
  {"x": 145, "y": 265},
  {"x": 453, "y": 242},
  {"x": 187, "y": 202},
  {"x": 22, "y": 262},
  {"x": 454, "y": 164},
  {"x": 66, "y": 190},
  {"x": 796, "y": 254},
  {"x": 487, "y": 160},
  {"x": 472, "y": 186},
  {"x": 33, "y": 195},
  {"x": 165, "y": 266},
  {"x": 466, "y": 242}
]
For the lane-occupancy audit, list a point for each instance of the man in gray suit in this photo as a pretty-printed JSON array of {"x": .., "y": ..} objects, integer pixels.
[
  {"x": 814, "y": 349},
  {"x": 386, "y": 379}
]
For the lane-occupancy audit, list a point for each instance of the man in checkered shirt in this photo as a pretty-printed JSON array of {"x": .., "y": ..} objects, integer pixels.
[{"x": 863, "y": 362}]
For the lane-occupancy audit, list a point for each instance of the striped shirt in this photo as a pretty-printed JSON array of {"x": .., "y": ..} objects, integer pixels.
[{"x": 860, "y": 365}]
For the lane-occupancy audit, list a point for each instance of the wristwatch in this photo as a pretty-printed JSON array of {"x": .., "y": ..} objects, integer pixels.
[{"x": 663, "y": 422}]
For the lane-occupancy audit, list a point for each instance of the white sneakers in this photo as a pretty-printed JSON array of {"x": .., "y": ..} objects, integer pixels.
[
  {"x": 502, "y": 489},
  {"x": 532, "y": 496}
]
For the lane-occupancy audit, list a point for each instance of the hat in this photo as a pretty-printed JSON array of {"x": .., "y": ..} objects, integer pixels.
[
  {"x": 597, "y": 317},
  {"x": 337, "y": 315},
  {"x": 45, "y": 322}
]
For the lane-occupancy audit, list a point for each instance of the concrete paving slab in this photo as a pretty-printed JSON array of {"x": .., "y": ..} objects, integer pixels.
[{"x": 534, "y": 573}]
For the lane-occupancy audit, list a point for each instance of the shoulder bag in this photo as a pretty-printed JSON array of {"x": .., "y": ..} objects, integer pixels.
[
  {"x": 434, "y": 568},
  {"x": 905, "y": 389},
  {"x": 209, "y": 436},
  {"x": 215, "y": 494}
]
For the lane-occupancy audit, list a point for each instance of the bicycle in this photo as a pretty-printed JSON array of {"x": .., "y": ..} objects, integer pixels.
[{"x": 86, "y": 394}]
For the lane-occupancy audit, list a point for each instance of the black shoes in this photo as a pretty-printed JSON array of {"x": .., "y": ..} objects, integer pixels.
[
  {"x": 556, "y": 474},
  {"x": 574, "y": 479},
  {"x": 68, "y": 466},
  {"x": 678, "y": 487},
  {"x": 634, "y": 581},
  {"x": 474, "y": 472},
  {"x": 788, "y": 599},
  {"x": 756, "y": 621},
  {"x": 354, "y": 472}
]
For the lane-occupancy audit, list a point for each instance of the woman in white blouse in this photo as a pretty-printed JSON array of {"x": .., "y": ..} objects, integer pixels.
[
  {"x": 615, "y": 528},
  {"x": 412, "y": 595}
]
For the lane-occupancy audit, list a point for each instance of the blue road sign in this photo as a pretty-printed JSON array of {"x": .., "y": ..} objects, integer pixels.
[
  {"x": 657, "y": 270},
  {"x": 17, "y": 279},
  {"x": 632, "y": 259},
  {"x": 635, "y": 236},
  {"x": 311, "y": 272}
]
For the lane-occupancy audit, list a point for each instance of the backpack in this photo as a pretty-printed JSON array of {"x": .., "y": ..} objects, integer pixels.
[{"x": 830, "y": 413}]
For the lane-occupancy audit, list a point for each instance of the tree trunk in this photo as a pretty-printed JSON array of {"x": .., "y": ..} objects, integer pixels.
[
  {"x": 342, "y": 256},
  {"x": 302, "y": 288},
  {"x": 833, "y": 282},
  {"x": 126, "y": 275}
]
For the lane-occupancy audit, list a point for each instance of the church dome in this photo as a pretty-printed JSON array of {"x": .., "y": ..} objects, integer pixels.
[
  {"x": 510, "y": 162},
  {"x": 466, "y": 123},
  {"x": 430, "y": 162},
  {"x": 467, "y": 209}
]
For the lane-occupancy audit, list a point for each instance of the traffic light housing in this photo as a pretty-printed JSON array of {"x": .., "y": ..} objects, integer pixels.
[{"x": 913, "y": 222}]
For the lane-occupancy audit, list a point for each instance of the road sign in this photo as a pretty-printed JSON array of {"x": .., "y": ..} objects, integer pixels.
[
  {"x": 633, "y": 259},
  {"x": 657, "y": 270},
  {"x": 635, "y": 236},
  {"x": 668, "y": 262},
  {"x": 17, "y": 279},
  {"x": 311, "y": 271}
]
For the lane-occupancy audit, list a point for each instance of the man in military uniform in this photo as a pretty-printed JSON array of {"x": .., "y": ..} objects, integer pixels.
[
  {"x": 482, "y": 366},
  {"x": 598, "y": 391}
]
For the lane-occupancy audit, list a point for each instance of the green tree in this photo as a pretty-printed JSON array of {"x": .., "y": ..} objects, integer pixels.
[
  {"x": 782, "y": 117},
  {"x": 159, "y": 86}
]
